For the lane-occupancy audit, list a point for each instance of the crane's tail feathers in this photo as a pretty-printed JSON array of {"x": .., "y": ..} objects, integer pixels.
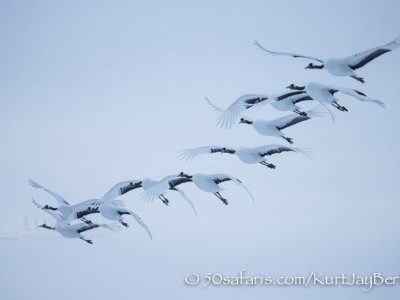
[
  {"x": 317, "y": 111},
  {"x": 320, "y": 110},
  {"x": 147, "y": 197},
  {"x": 115, "y": 227},
  {"x": 330, "y": 113},
  {"x": 185, "y": 155},
  {"x": 118, "y": 203}
]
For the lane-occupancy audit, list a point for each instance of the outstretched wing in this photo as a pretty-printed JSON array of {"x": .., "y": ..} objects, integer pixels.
[
  {"x": 158, "y": 188},
  {"x": 140, "y": 222},
  {"x": 82, "y": 227},
  {"x": 258, "y": 45},
  {"x": 167, "y": 183},
  {"x": 294, "y": 97},
  {"x": 36, "y": 204},
  {"x": 360, "y": 59},
  {"x": 356, "y": 94},
  {"x": 229, "y": 116},
  {"x": 293, "y": 119},
  {"x": 221, "y": 177},
  {"x": 269, "y": 150},
  {"x": 218, "y": 178},
  {"x": 187, "y": 199},
  {"x": 119, "y": 189},
  {"x": 84, "y": 208},
  {"x": 56, "y": 215},
  {"x": 192, "y": 153},
  {"x": 84, "y": 211},
  {"x": 289, "y": 120},
  {"x": 177, "y": 181},
  {"x": 60, "y": 200},
  {"x": 291, "y": 94}
]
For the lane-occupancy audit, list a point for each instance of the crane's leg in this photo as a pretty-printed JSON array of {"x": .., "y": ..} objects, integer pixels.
[
  {"x": 290, "y": 140},
  {"x": 123, "y": 223},
  {"x": 86, "y": 240},
  {"x": 221, "y": 198},
  {"x": 339, "y": 107},
  {"x": 301, "y": 113},
  {"x": 163, "y": 199},
  {"x": 360, "y": 79},
  {"x": 264, "y": 163}
]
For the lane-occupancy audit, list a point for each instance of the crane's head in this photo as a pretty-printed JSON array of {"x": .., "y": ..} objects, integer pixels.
[
  {"x": 295, "y": 87},
  {"x": 181, "y": 174},
  {"x": 312, "y": 66},
  {"x": 49, "y": 207},
  {"x": 46, "y": 226}
]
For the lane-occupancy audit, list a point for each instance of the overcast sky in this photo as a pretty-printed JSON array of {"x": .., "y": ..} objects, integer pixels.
[{"x": 97, "y": 92}]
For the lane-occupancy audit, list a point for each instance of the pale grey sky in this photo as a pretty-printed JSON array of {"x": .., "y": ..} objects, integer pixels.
[{"x": 96, "y": 92}]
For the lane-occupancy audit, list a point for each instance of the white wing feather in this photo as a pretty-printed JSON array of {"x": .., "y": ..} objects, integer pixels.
[
  {"x": 317, "y": 111},
  {"x": 36, "y": 204},
  {"x": 60, "y": 200},
  {"x": 187, "y": 199},
  {"x": 235, "y": 180},
  {"x": 356, "y": 94},
  {"x": 189, "y": 154},
  {"x": 258, "y": 45},
  {"x": 140, "y": 222},
  {"x": 355, "y": 59},
  {"x": 157, "y": 189},
  {"x": 114, "y": 226},
  {"x": 229, "y": 115},
  {"x": 267, "y": 148},
  {"x": 116, "y": 191},
  {"x": 213, "y": 106}
]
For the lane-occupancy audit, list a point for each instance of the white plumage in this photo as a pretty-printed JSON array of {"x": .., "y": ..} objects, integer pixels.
[
  {"x": 281, "y": 101},
  {"x": 156, "y": 189},
  {"x": 275, "y": 127},
  {"x": 113, "y": 211},
  {"x": 229, "y": 115},
  {"x": 107, "y": 206},
  {"x": 210, "y": 183},
  {"x": 67, "y": 230},
  {"x": 246, "y": 155},
  {"x": 325, "y": 94},
  {"x": 65, "y": 208},
  {"x": 342, "y": 66},
  {"x": 288, "y": 101}
]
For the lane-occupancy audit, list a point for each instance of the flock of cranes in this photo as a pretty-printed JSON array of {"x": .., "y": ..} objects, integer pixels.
[{"x": 71, "y": 220}]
